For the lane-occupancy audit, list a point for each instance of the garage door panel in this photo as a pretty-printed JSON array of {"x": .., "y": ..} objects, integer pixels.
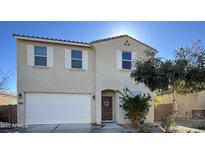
[{"x": 57, "y": 108}]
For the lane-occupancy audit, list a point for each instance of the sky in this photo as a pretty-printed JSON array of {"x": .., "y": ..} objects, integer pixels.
[{"x": 163, "y": 36}]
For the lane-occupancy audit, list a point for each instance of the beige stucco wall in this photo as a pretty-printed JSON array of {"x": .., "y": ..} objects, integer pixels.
[
  {"x": 109, "y": 77},
  {"x": 102, "y": 74},
  {"x": 201, "y": 100},
  {"x": 56, "y": 79},
  {"x": 185, "y": 103}
]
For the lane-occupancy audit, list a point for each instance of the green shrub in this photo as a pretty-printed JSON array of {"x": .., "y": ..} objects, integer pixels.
[
  {"x": 169, "y": 124},
  {"x": 136, "y": 107}
]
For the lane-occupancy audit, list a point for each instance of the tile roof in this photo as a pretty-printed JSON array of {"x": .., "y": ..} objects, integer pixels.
[
  {"x": 52, "y": 39},
  {"x": 82, "y": 43},
  {"x": 7, "y": 93},
  {"x": 7, "y": 98},
  {"x": 115, "y": 37}
]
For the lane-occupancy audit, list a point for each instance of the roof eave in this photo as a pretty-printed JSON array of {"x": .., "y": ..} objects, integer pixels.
[{"x": 51, "y": 41}]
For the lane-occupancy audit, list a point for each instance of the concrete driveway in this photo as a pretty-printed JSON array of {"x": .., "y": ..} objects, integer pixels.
[
  {"x": 72, "y": 128},
  {"x": 80, "y": 128}
]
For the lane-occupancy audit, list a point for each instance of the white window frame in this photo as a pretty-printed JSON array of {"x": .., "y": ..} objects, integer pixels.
[
  {"x": 41, "y": 56},
  {"x": 127, "y": 60},
  {"x": 77, "y": 59}
]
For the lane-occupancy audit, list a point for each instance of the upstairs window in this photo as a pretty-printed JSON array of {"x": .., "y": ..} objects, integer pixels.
[
  {"x": 76, "y": 59},
  {"x": 40, "y": 56},
  {"x": 126, "y": 60}
]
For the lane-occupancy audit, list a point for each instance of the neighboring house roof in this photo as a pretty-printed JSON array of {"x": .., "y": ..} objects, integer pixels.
[
  {"x": 50, "y": 40},
  {"x": 7, "y": 98},
  {"x": 116, "y": 37},
  {"x": 70, "y": 42}
]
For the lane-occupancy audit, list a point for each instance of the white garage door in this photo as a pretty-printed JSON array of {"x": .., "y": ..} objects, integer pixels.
[{"x": 41, "y": 108}]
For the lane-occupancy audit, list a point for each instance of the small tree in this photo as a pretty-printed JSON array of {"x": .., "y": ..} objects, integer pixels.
[
  {"x": 168, "y": 123},
  {"x": 136, "y": 107},
  {"x": 183, "y": 75},
  {"x": 3, "y": 81}
]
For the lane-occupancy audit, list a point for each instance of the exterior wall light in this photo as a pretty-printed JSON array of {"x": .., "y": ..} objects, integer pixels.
[
  {"x": 93, "y": 97},
  {"x": 19, "y": 95}
]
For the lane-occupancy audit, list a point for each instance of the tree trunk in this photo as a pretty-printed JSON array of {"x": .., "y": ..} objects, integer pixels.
[
  {"x": 134, "y": 123},
  {"x": 134, "y": 120},
  {"x": 174, "y": 103}
]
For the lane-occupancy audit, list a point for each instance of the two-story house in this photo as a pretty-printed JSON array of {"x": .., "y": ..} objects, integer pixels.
[{"x": 62, "y": 81}]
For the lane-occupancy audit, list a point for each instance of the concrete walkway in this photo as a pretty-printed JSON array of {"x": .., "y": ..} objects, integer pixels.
[{"x": 108, "y": 128}]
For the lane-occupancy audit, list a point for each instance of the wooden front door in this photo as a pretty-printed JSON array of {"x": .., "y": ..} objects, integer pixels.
[{"x": 106, "y": 108}]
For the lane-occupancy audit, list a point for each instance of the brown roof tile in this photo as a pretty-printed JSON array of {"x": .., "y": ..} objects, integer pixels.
[
  {"x": 7, "y": 98},
  {"x": 78, "y": 42},
  {"x": 46, "y": 38}
]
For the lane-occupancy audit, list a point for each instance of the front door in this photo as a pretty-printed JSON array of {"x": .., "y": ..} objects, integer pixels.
[{"x": 106, "y": 108}]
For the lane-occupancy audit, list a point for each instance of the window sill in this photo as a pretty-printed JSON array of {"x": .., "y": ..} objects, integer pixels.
[
  {"x": 40, "y": 67},
  {"x": 77, "y": 69},
  {"x": 126, "y": 70}
]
